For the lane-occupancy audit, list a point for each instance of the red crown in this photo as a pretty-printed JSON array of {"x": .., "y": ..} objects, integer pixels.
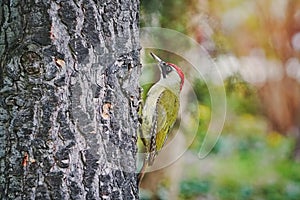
[{"x": 179, "y": 72}]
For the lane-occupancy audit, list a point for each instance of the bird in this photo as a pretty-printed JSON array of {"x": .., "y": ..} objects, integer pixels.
[{"x": 160, "y": 111}]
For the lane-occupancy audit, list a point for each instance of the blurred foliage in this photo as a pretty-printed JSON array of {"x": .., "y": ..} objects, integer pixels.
[
  {"x": 250, "y": 160},
  {"x": 242, "y": 96},
  {"x": 172, "y": 14},
  {"x": 202, "y": 92},
  {"x": 260, "y": 172},
  {"x": 193, "y": 187},
  {"x": 204, "y": 107}
]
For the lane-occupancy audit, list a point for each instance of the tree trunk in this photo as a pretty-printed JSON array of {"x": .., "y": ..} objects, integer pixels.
[{"x": 69, "y": 99}]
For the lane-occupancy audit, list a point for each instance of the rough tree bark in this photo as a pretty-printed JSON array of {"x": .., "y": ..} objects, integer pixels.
[{"x": 69, "y": 98}]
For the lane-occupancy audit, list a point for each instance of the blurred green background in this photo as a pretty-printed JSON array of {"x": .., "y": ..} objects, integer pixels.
[{"x": 256, "y": 46}]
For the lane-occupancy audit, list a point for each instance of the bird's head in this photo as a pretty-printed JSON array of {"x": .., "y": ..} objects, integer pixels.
[{"x": 169, "y": 70}]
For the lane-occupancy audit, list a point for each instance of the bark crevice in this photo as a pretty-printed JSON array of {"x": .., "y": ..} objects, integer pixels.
[{"x": 69, "y": 99}]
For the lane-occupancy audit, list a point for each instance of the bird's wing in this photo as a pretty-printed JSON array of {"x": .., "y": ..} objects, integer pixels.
[
  {"x": 159, "y": 115},
  {"x": 168, "y": 106}
]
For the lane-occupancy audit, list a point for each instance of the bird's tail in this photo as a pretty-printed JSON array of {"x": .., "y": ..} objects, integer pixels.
[{"x": 151, "y": 158}]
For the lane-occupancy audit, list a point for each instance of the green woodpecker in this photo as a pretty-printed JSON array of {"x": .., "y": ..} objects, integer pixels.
[{"x": 160, "y": 110}]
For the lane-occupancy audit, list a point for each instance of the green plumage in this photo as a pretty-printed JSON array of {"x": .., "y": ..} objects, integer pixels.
[
  {"x": 160, "y": 111},
  {"x": 159, "y": 115}
]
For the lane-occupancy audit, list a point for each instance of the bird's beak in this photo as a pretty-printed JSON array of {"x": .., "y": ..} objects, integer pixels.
[
  {"x": 155, "y": 57},
  {"x": 161, "y": 64}
]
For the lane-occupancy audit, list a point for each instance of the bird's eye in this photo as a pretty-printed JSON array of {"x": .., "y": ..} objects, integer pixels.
[{"x": 169, "y": 69}]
